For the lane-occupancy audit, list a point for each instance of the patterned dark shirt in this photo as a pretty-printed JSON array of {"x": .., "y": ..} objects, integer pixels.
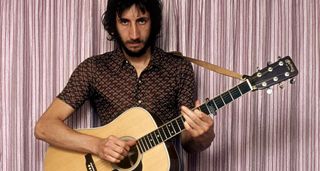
[{"x": 111, "y": 84}]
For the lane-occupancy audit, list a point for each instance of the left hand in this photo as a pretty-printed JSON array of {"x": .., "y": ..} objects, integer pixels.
[{"x": 198, "y": 125}]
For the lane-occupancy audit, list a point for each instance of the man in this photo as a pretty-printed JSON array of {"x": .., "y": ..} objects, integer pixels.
[{"x": 135, "y": 74}]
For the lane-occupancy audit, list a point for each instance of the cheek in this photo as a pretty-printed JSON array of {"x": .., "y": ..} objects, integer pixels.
[
  {"x": 122, "y": 32},
  {"x": 121, "y": 29},
  {"x": 147, "y": 30}
]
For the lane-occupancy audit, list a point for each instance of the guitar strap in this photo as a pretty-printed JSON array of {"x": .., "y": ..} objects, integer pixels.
[{"x": 211, "y": 67}]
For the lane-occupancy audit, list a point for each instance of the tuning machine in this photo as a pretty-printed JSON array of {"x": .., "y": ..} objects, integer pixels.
[
  {"x": 269, "y": 90},
  {"x": 292, "y": 81},
  {"x": 281, "y": 86},
  {"x": 269, "y": 63}
]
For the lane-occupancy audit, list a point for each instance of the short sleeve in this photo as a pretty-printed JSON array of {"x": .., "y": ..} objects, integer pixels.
[
  {"x": 187, "y": 86},
  {"x": 79, "y": 86}
]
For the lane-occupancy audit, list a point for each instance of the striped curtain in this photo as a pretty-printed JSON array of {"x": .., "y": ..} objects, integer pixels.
[{"x": 42, "y": 41}]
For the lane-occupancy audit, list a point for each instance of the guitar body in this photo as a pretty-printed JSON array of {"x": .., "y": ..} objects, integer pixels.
[{"x": 134, "y": 123}]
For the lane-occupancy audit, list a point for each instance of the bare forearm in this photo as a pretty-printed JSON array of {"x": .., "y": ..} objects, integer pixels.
[{"x": 56, "y": 133}]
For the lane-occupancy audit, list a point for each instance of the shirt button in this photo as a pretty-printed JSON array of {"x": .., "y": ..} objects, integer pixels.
[
  {"x": 139, "y": 101},
  {"x": 140, "y": 81}
]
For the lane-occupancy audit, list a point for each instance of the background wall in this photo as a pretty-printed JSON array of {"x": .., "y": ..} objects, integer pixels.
[{"x": 42, "y": 41}]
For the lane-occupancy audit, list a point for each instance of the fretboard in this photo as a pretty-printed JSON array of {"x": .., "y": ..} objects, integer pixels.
[{"x": 175, "y": 126}]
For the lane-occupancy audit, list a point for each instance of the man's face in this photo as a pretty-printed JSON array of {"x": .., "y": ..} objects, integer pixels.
[{"x": 134, "y": 28}]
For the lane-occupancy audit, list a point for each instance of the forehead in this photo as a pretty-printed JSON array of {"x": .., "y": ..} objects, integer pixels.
[{"x": 134, "y": 12}]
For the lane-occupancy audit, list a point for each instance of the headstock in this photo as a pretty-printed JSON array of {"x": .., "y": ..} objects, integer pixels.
[{"x": 274, "y": 73}]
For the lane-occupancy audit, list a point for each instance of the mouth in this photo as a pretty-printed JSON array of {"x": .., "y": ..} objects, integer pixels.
[{"x": 134, "y": 45}]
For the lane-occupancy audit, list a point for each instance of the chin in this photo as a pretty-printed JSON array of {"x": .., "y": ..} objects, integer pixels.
[{"x": 136, "y": 52}]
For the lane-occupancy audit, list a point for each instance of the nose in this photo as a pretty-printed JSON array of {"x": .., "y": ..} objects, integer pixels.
[{"x": 134, "y": 32}]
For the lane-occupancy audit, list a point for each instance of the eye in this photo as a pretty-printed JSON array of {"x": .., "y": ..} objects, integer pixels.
[
  {"x": 124, "y": 21},
  {"x": 142, "y": 21}
]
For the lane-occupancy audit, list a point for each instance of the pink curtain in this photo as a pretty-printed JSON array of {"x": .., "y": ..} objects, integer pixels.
[{"x": 42, "y": 42}]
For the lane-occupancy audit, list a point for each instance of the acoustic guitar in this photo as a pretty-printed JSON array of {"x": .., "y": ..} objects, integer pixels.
[{"x": 151, "y": 153}]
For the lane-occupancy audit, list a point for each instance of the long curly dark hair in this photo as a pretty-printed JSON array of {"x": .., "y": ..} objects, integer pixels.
[{"x": 116, "y": 7}]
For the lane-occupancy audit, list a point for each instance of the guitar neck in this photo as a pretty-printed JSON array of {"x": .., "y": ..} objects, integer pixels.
[{"x": 175, "y": 126}]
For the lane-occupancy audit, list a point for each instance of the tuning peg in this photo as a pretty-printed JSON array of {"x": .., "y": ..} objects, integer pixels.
[
  {"x": 281, "y": 86},
  {"x": 292, "y": 81},
  {"x": 269, "y": 63},
  {"x": 258, "y": 69},
  {"x": 269, "y": 91},
  {"x": 279, "y": 57}
]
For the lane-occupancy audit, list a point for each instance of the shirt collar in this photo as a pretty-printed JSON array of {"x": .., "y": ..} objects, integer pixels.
[{"x": 120, "y": 61}]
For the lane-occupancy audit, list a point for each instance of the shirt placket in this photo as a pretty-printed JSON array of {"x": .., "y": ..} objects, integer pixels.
[{"x": 139, "y": 96}]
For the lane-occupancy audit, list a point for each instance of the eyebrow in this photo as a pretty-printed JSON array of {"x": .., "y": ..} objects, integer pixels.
[{"x": 146, "y": 18}]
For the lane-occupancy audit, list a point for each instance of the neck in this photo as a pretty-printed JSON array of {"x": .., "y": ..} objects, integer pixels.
[{"x": 141, "y": 62}]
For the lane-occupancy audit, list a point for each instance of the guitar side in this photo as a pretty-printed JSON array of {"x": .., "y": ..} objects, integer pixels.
[{"x": 135, "y": 122}]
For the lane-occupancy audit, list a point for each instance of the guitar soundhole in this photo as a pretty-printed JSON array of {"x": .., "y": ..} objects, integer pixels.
[{"x": 130, "y": 160}]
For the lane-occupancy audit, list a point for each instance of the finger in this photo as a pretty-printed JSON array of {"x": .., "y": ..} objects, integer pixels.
[
  {"x": 120, "y": 143},
  {"x": 198, "y": 122},
  {"x": 201, "y": 115},
  {"x": 112, "y": 159},
  {"x": 197, "y": 103},
  {"x": 190, "y": 121},
  {"x": 194, "y": 118},
  {"x": 201, "y": 118},
  {"x": 204, "y": 119},
  {"x": 112, "y": 148}
]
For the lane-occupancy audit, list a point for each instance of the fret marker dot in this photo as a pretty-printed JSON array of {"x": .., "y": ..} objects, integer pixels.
[{"x": 281, "y": 63}]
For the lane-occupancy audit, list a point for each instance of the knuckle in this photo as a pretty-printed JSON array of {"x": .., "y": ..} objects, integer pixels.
[
  {"x": 121, "y": 150},
  {"x": 206, "y": 129},
  {"x": 201, "y": 132},
  {"x": 114, "y": 160}
]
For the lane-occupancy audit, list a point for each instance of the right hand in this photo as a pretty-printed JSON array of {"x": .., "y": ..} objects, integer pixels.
[{"x": 114, "y": 149}]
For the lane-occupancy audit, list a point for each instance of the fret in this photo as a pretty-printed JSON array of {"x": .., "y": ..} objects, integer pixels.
[
  {"x": 176, "y": 126},
  {"x": 235, "y": 92},
  {"x": 203, "y": 108},
  {"x": 163, "y": 135},
  {"x": 212, "y": 105},
  {"x": 147, "y": 145},
  {"x": 158, "y": 135},
  {"x": 139, "y": 147},
  {"x": 166, "y": 131},
  {"x": 151, "y": 141},
  {"x": 239, "y": 90},
  {"x": 183, "y": 119},
  {"x": 154, "y": 137},
  {"x": 231, "y": 95},
  {"x": 171, "y": 130},
  {"x": 219, "y": 102},
  {"x": 224, "y": 103},
  {"x": 180, "y": 123},
  {"x": 143, "y": 147},
  {"x": 244, "y": 87},
  {"x": 226, "y": 97}
]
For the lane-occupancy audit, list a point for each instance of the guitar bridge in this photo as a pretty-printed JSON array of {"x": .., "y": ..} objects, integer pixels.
[{"x": 90, "y": 163}]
